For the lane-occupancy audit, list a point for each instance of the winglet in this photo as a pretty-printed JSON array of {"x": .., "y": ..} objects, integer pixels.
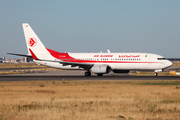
[
  {"x": 33, "y": 55},
  {"x": 108, "y": 51}
]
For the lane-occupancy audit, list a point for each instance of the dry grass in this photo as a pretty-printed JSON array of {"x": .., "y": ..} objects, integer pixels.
[
  {"x": 19, "y": 65},
  {"x": 176, "y": 63},
  {"x": 23, "y": 68},
  {"x": 90, "y": 100}
]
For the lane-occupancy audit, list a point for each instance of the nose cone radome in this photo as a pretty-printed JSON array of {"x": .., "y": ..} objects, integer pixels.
[{"x": 169, "y": 63}]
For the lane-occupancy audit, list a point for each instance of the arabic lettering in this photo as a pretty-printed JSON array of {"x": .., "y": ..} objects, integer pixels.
[{"x": 128, "y": 56}]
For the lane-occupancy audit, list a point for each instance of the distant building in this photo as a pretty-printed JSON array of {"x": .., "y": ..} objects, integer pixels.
[
  {"x": 174, "y": 59},
  {"x": 4, "y": 58},
  {"x": 22, "y": 60},
  {"x": 19, "y": 60},
  {"x": 1, "y": 60}
]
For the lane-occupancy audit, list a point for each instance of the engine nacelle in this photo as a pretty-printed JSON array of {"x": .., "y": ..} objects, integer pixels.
[
  {"x": 121, "y": 71},
  {"x": 100, "y": 69}
]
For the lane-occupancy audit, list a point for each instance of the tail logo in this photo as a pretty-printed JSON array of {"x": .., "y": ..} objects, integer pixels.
[{"x": 32, "y": 42}]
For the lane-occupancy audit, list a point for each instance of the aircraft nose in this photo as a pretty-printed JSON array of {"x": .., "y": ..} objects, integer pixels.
[{"x": 169, "y": 63}]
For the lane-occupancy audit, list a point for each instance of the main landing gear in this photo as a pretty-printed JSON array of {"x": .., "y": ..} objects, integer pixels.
[
  {"x": 87, "y": 73},
  {"x": 99, "y": 74},
  {"x": 155, "y": 74}
]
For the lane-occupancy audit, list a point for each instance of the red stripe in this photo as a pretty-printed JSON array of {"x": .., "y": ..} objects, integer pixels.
[{"x": 59, "y": 55}]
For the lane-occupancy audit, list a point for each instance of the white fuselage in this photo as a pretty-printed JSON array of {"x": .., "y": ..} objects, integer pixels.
[{"x": 117, "y": 61}]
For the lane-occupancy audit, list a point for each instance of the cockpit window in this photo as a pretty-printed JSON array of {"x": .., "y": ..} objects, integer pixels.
[{"x": 162, "y": 59}]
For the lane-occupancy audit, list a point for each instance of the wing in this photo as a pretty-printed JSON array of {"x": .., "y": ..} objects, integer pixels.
[{"x": 85, "y": 66}]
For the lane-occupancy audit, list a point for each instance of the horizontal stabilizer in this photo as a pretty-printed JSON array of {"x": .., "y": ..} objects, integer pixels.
[{"x": 20, "y": 54}]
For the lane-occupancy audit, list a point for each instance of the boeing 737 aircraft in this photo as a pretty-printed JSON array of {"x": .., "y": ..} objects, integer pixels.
[{"x": 97, "y": 63}]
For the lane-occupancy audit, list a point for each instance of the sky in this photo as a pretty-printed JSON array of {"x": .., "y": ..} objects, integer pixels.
[{"x": 147, "y": 26}]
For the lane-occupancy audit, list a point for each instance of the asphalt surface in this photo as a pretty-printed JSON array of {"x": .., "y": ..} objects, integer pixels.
[
  {"x": 78, "y": 75},
  {"x": 28, "y": 78}
]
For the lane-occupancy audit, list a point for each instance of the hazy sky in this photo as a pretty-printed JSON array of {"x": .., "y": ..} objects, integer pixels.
[{"x": 148, "y": 26}]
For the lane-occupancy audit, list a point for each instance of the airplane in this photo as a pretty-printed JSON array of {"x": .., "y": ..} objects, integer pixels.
[{"x": 97, "y": 63}]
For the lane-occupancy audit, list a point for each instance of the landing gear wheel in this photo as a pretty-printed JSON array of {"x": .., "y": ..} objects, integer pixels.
[
  {"x": 87, "y": 73},
  {"x": 155, "y": 74},
  {"x": 99, "y": 74}
]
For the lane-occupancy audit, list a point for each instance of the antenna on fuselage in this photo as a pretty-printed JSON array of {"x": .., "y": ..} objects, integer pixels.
[{"x": 108, "y": 51}]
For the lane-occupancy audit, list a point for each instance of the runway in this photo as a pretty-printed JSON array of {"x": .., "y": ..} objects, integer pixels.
[
  {"x": 27, "y": 78},
  {"x": 78, "y": 75}
]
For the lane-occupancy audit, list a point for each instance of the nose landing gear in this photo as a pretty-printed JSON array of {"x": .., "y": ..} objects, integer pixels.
[{"x": 155, "y": 74}]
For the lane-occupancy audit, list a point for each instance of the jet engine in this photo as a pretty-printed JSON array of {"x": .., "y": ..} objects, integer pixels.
[{"x": 100, "y": 69}]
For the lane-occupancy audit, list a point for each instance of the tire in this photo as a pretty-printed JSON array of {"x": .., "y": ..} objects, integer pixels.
[
  {"x": 155, "y": 74},
  {"x": 99, "y": 74},
  {"x": 87, "y": 73}
]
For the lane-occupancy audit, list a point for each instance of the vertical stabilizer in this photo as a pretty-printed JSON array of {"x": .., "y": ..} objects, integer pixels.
[{"x": 34, "y": 44}]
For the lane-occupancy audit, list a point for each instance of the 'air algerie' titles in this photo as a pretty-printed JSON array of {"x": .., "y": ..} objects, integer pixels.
[{"x": 103, "y": 55}]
